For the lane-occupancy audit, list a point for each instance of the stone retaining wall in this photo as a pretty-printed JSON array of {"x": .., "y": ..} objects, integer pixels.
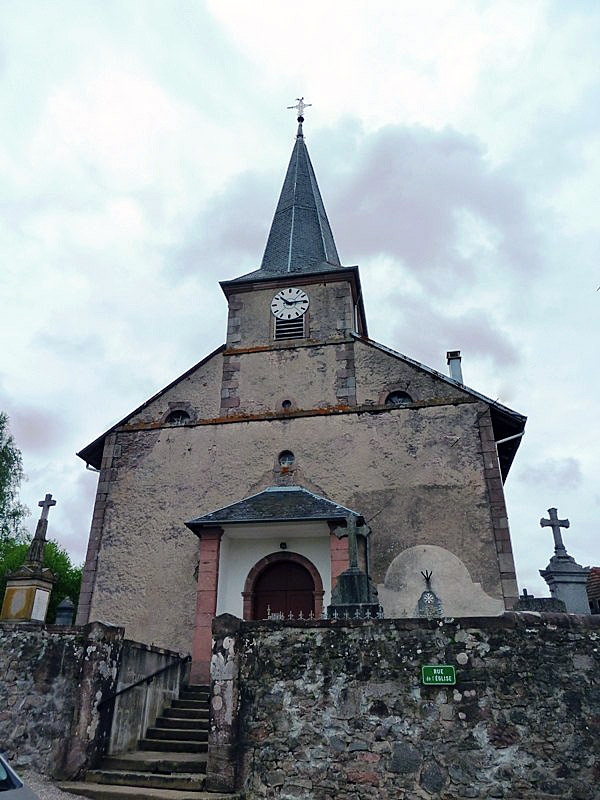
[
  {"x": 56, "y": 685},
  {"x": 338, "y": 710},
  {"x": 51, "y": 681}
]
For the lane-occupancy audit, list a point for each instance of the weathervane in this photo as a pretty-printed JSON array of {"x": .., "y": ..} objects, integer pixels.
[{"x": 300, "y": 106}]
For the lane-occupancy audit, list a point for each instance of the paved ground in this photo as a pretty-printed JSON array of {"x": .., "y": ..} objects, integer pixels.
[{"x": 44, "y": 788}]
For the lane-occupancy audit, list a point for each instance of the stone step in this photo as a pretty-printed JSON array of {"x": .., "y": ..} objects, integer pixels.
[
  {"x": 100, "y": 791},
  {"x": 152, "y": 780},
  {"x": 201, "y": 705},
  {"x": 191, "y": 723},
  {"x": 195, "y": 734},
  {"x": 157, "y": 762},
  {"x": 191, "y": 692},
  {"x": 186, "y": 713},
  {"x": 173, "y": 745}
]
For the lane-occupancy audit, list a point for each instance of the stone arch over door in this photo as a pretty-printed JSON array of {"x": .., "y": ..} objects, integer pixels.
[{"x": 282, "y": 558}]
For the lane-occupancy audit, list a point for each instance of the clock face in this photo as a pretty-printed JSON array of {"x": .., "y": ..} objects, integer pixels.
[{"x": 289, "y": 303}]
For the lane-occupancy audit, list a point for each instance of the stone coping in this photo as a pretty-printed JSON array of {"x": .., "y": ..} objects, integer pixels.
[{"x": 509, "y": 620}]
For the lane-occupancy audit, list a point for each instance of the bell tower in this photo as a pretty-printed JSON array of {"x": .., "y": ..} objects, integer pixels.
[{"x": 301, "y": 293}]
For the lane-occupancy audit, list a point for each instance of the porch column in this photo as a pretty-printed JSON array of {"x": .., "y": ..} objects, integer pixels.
[
  {"x": 206, "y": 604},
  {"x": 340, "y": 560}
]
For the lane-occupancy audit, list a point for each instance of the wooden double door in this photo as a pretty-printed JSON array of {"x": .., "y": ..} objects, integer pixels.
[{"x": 284, "y": 588}]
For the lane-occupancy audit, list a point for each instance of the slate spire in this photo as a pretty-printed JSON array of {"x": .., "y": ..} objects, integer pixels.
[{"x": 300, "y": 239}]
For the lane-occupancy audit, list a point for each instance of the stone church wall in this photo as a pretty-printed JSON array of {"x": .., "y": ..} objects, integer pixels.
[
  {"x": 338, "y": 710},
  {"x": 418, "y": 472}
]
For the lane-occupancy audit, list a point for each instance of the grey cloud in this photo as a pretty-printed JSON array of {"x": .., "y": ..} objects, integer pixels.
[
  {"x": 72, "y": 346},
  {"x": 426, "y": 333},
  {"x": 554, "y": 473},
  {"x": 229, "y": 236},
  {"x": 398, "y": 192},
  {"x": 36, "y": 430},
  {"x": 405, "y": 195}
]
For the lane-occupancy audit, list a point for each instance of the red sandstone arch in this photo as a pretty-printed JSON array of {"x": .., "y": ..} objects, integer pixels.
[{"x": 274, "y": 558}]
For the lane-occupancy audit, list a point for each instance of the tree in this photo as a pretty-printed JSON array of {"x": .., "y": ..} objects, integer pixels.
[
  {"x": 14, "y": 538},
  {"x": 12, "y": 512},
  {"x": 13, "y": 554}
]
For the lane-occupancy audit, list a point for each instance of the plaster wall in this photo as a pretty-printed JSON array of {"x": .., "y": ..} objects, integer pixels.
[
  {"x": 304, "y": 375},
  {"x": 238, "y": 556},
  {"x": 417, "y": 471},
  {"x": 378, "y": 373}
]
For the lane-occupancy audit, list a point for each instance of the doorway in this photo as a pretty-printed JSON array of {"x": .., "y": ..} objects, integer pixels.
[{"x": 284, "y": 587}]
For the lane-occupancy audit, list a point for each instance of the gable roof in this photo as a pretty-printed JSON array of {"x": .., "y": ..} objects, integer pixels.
[
  {"x": 276, "y": 504},
  {"x": 506, "y": 422},
  {"x": 92, "y": 453}
]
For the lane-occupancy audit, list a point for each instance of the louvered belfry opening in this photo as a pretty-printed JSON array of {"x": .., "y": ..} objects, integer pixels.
[{"x": 290, "y": 328}]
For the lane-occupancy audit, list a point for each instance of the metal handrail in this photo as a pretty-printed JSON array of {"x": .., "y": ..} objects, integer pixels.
[{"x": 147, "y": 679}]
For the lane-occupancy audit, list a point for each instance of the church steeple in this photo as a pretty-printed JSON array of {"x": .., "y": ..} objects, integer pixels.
[{"x": 300, "y": 239}]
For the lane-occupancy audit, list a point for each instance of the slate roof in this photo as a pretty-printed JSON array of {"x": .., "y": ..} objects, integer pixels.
[
  {"x": 275, "y": 504},
  {"x": 300, "y": 240}
]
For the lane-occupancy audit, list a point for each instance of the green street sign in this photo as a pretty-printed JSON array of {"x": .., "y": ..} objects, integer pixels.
[{"x": 437, "y": 674}]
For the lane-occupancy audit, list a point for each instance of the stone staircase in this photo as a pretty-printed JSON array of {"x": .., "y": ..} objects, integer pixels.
[{"x": 169, "y": 764}]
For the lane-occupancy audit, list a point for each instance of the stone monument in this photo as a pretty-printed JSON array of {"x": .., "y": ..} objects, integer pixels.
[
  {"x": 566, "y": 578},
  {"x": 28, "y": 588},
  {"x": 354, "y": 594}
]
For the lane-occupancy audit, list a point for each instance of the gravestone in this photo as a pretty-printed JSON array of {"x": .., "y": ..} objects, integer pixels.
[{"x": 566, "y": 578}]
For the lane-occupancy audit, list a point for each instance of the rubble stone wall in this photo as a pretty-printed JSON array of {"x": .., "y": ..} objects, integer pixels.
[
  {"x": 52, "y": 680},
  {"x": 56, "y": 689},
  {"x": 338, "y": 710}
]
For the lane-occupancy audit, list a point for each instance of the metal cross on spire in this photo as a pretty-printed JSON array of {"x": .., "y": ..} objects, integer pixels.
[
  {"x": 46, "y": 504},
  {"x": 556, "y": 524},
  {"x": 300, "y": 106}
]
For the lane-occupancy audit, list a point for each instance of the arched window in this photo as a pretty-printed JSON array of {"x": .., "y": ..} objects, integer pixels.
[
  {"x": 398, "y": 399},
  {"x": 178, "y": 417}
]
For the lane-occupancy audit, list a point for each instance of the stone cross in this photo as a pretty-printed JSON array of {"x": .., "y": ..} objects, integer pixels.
[
  {"x": 556, "y": 524},
  {"x": 46, "y": 504},
  {"x": 352, "y": 543},
  {"x": 36, "y": 549},
  {"x": 301, "y": 105}
]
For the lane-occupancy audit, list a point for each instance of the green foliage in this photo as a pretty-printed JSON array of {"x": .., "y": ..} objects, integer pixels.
[
  {"x": 12, "y": 512},
  {"x": 68, "y": 584},
  {"x": 13, "y": 554}
]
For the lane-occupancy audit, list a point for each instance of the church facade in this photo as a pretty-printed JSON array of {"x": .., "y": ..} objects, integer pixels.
[{"x": 231, "y": 489}]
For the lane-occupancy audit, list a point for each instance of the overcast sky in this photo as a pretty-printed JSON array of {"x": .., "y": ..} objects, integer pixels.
[{"x": 142, "y": 150}]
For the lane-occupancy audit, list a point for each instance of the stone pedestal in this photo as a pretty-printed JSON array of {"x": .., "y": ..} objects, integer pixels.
[
  {"x": 567, "y": 581},
  {"x": 27, "y": 594},
  {"x": 354, "y": 595}
]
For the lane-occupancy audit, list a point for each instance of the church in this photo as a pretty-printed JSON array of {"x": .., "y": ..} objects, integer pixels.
[{"x": 233, "y": 488}]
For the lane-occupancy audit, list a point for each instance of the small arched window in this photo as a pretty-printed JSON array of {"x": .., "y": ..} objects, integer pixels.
[
  {"x": 178, "y": 417},
  {"x": 398, "y": 399}
]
